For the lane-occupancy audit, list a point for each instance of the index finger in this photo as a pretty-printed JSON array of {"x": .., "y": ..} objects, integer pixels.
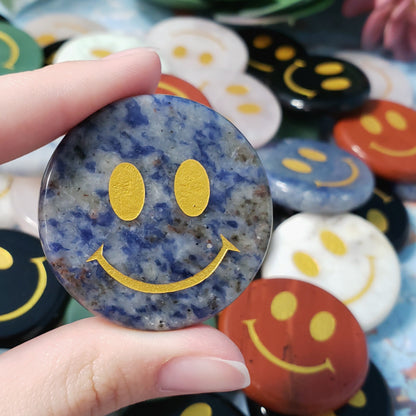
[{"x": 39, "y": 106}]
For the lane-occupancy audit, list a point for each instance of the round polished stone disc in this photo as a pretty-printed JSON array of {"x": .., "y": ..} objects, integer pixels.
[
  {"x": 52, "y": 27},
  {"x": 247, "y": 103},
  {"x": 18, "y": 51},
  {"x": 194, "y": 44},
  {"x": 374, "y": 398},
  {"x": 95, "y": 46},
  {"x": 295, "y": 338},
  {"x": 307, "y": 175},
  {"x": 321, "y": 84},
  {"x": 155, "y": 212},
  {"x": 31, "y": 300},
  {"x": 270, "y": 52},
  {"x": 171, "y": 85},
  {"x": 382, "y": 134},
  {"x": 387, "y": 212},
  {"x": 190, "y": 405},
  {"x": 387, "y": 82},
  {"x": 343, "y": 254}
]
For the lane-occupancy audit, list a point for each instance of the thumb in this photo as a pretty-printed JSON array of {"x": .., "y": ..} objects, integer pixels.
[{"x": 92, "y": 367}]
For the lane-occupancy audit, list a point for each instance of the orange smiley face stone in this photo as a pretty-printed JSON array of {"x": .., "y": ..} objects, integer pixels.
[
  {"x": 171, "y": 85},
  {"x": 383, "y": 135},
  {"x": 305, "y": 351}
]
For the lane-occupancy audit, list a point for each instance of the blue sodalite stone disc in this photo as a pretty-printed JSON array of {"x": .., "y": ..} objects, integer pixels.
[
  {"x": 318, "y": 177},
  {"x": 162, "y": 245}
]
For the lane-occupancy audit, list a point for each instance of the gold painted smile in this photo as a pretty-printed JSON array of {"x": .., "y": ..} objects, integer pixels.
[
  {"x": 294, "y": 368},
  {"x": 37, "y": 294},
  {"x": 140, "y": 286}
]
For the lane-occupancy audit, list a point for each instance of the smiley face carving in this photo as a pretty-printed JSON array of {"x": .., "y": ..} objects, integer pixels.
[
  {"x": 30, "y": 297},
  {"x": 269, "y": 52},
  {"x": 192, "y": 195},
  {"x": 294, "y": 337},
  {"x": 319, "y": 83},
  {"x": 345, "y": 255},
  {"x": 195, "y": 44},
  {"x": 315, "y": 176},
  {"x": 381, "y": 134},
  {"x": 159, "y": 214}
]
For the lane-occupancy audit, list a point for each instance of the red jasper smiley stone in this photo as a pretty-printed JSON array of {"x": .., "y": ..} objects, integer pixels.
[
  {"x": 171, "y": 85},
  {"x": 382, "y": 134},
  {"x": 305, "y": 351}
]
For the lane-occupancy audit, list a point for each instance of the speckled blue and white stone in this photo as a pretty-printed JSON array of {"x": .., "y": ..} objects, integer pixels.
[
  {"x": 406, "y": 191},
  {"x": 337, "y": 184},
  {"x": 162, "y": 245}
]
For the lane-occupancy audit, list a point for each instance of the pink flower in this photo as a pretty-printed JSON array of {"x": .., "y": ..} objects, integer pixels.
[{"x": 391, "y": 23}]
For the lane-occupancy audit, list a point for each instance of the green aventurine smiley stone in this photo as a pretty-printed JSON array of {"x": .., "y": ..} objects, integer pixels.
[{"x": 18, "y": 51}]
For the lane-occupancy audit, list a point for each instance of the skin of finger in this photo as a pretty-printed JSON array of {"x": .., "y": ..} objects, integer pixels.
[
  {"x": 92, "y": 367},
  {"x": 39, "y": 106}
]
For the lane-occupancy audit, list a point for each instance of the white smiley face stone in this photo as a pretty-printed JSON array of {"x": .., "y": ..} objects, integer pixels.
[
  {"x": 387, "y": 82},
  {"x": 344, "y": 254},
  {"x": 195, "y": 44},
  {"x": 6, "y": 209},
  {"x": 95, "y": 46},
  {"x": 246, "y": 102},
  {"x": 53, "y": 27}
]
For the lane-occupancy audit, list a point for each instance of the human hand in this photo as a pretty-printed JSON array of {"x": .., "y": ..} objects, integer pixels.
[{"x": 93, "y": 367}]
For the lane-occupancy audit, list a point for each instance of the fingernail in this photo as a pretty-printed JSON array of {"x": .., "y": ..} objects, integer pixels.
[
  {"x": 202, "y": 375},
  {"x": 126, "y": 52}
]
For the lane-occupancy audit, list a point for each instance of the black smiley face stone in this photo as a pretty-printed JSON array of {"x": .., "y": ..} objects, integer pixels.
[
  {"x": 191, "y": 405},
  {"x": 31, "y": 299},
  {"x": 270, "y": 51},
  {"x": 387, "y": 212},
  {"x": 374, "y": 398},
  {"x": 322, "y": 84}
]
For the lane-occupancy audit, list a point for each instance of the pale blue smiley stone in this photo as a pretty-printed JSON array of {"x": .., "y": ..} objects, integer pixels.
[
  {"x": 317, "y": 177},
  {"x": 163, "y": 244}
]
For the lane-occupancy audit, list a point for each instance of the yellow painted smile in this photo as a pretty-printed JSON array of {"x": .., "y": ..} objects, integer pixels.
[
  {"x": 354, "y": 175},
  {"x": 14, "y": 50},
  {"x": 367, "y": 286},
  {"x": 392, "y": 152},
  {"x": 40, "y": 288},
  {"x": 288, "y": 78},
  {"x": 144, "y": 287},
  {"x": 294, "y": 368}
]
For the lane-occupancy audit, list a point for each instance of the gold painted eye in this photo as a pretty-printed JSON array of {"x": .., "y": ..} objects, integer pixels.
[
  {"x": 333, "y": 243},
  {"x": 262, "y": 41},
  {"x": 126, "y": 191},
  {"x": 312, "y": 154},
  {"x": 192, "y": 188},
  {"x": 284, "y": 306},
  {"x": 6, "y": 259},
  {"x": 249, "y": 108},
  {"x": 296, "y": 165},
  {"x": 198, "y": 409},
  {"x": 180, "y": 52},
  {"x": 336, "y": 84},
  {"x": 358, "y": 400},
  {"x": 206, "y": 58},
  {"x": 100, "y": 53},
  {"x": 377, "y": 218},
  {"x": 46, "y": 39},
  {"x": 322, "y": 326},
  {"x": 285, "y": 53},
  {"x": 305, "y": 263},
  {"x": 371, "y": 124},
  {"x": 237, "y": 89},
  {"x": 396, "y": 120},
  {"x": 329, "y": 68}
]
